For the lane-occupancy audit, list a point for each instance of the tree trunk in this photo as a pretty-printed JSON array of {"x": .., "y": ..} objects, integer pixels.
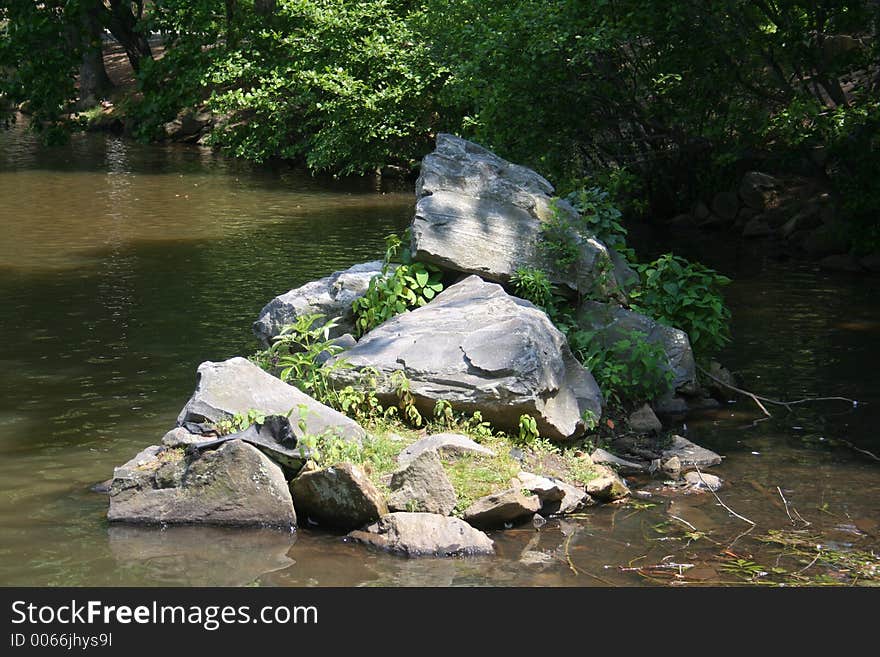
[
  {"x": 94, "y": 83},
  {"x": 123, "y": 24}
]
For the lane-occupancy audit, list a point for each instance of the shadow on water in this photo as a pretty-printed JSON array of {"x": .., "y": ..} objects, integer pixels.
[{"x": 122, "y": 267}]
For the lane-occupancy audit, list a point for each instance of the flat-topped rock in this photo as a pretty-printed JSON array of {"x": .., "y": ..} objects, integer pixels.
[
  {"x": 446, "y": 444},
  {"x": 425, "y": 535},
  {"x": 689, "y": 454},
  {"x": 498, "y": 509}
]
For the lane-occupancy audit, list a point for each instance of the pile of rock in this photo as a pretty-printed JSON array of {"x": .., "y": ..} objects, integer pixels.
[{"x": 474, "y": 345}]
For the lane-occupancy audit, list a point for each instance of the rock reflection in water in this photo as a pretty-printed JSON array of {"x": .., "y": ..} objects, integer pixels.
[{"x": 200, "y": 556}]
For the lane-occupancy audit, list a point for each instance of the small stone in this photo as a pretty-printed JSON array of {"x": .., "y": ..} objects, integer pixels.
[
  {"x": 690, "y": 454},
  {"x": 446, "y": 444},
  {"x": 703, "y": 481},
  {"x": 608, "y": 486},
  {"x": 607, "y": 458},
  {"x": 499, "y": 508},
  {"x": 671, "y": 466}
]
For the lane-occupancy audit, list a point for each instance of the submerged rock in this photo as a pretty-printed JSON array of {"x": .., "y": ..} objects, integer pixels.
[
  {"x": 702, "y": 481},
  {"x": 612, "y": 323},
  {"x": 234, "y": 485},
  {"x": 446, "y": 444},
  {"x": 238, "y": 386},
  {"x": 338, "y": 496},
  {"x": 483, "y": 350},
  {"x": 330, "y": 296},
  {"x": 425, "y": 534},
  {"x": 497, "y": 509},
  {"x": 422, "y": 485},
  {"x": 689, "y": 454},
  {"x": 479, "y": 214}
]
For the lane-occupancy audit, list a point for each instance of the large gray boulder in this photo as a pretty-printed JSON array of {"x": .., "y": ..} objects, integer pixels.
[
  {"x": 422, "y": 485},
  {"x": 425, "y": 534},
  {"x": 482, "y": 350},
  {"x": 479, "y": 214},
  {"x": 337, "y": 496},
  {"x": 237, "y": 386},
  {"x": 235, "y": 485},
  {"x": 612, "y": 323},
  {"x": 330, "y": 296}
]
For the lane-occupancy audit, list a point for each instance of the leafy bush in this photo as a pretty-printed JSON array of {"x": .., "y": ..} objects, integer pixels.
[
  {"x": 397, "y": 289},
  {"x": 599, "y": 215},
  {"x": 630, "y": 370},
  {"x": 685, "y": 295},
  {"x": 534, "y": 285}
]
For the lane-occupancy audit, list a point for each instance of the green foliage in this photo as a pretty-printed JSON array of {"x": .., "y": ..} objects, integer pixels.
[
  {"x": 397, "y": 289},
  {"x": 687, "y": 296},
  {"x": 406, "y": 401},
  {"x": 528, "y": 430},
  {"x": 239, "y": 422},
  {"x": 629, "y": 370},
  {"x": 295, "y": 353},
  {"x": 599, "y": 216},
  {"x": 534, "y": 285}
]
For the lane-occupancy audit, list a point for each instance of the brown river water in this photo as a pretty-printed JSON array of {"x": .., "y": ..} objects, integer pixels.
[{"x": 124, "y": 266}]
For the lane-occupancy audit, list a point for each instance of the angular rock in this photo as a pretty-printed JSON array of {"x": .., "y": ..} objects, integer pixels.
[
  {"x": 446, "y": 444},
  {"x": 338, "y": 496},
  {"x": 422, "y": 485},
  {"x": 702, "y": 481},
  {"x": 612, "y": 323},
  {"x": 643, "y": 420},
  {"x": 237, "y": 386},
  {"x": 425, "y": 535},
  {"x": 497, "y": 509},
  {"x": 187, "y": 125},
  {"x": 557, "y": 497},
  {"x": 607, "y": 486},
  {"x": 479, "y": 214},
  {"x": 273, "y": 436},
  {"x": 719, "y": 380},
  {"x": 330, "y": 296},
  {"x": 235, "y": 485},
  {"x": 602, "y": 457},
  {"x": 689, "y": 454},
  {"x": 483, "y": 350},
  {"x": 180, "y": 437},
  {"x": 757, "y": 190},
  {"x": 669, "y": 405}
]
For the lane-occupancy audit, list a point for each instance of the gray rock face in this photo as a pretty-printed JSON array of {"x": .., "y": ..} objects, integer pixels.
[
  {"x": 690, "y": 454},
  {"x": 612, "y": 323},
  {"x": 479, "y": 214},
  {"x": 422, "y": 485},
  {"x": 499, "y": 508},
  {"x": 330, "y": 296},
  {"x": 237, "y": 386},
  {"x": 339, "y": 496},
  {"x": 446, "y": 444},
  {"x": 603, "y": 457},
  {"x": 425, "y": 534},
  {"x": 235, "y": 485},
  {"x": 757, "y": 189},
  {"x": 481, "y": 349},
  {"x": 643, "y": 420}
]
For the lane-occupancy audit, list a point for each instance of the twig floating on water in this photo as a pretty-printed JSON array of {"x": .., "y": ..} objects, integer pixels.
[{"x": 719, "y": 499}]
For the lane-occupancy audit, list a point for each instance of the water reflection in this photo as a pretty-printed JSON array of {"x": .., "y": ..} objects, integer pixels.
[{"x": 199, "y": 556}]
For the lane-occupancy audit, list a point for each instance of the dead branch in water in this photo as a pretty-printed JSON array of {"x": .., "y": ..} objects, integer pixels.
[
  {"x": 776, "y": 402},
  {"x": 711, "y": 490}
]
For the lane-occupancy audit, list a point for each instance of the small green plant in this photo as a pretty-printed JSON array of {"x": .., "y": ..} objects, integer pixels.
[
  {"x": 239, "y": 422},
  {"x": 534, "y": 285},
  {"x": 396, "y": 289},
  {"x": 599, "y": 216},
  {"x": 443, "y": 414},
  {"x": 298, "y": 354},
  {"x": 406, "y": 400},
  {"x": 591, "y": 420},
  {"x": 685, "y": 295},
  {"x": 528, "y": 430},
  {"x": 629, "y": 370}
]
